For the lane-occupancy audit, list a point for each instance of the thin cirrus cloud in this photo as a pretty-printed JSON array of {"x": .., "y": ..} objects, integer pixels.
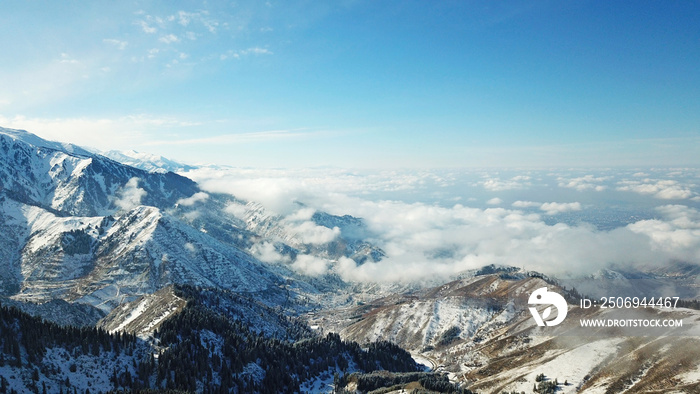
[
  {"x": 121, "y": 45},
  {"x": 145, "y": 27},
  {"x": 236, "y": 138},
  {"x": 177, "y": 21},
  {"x": 169, "y": 38},
  {"x": 124, "y": 132},
  {"x": 231, "y": 54}
]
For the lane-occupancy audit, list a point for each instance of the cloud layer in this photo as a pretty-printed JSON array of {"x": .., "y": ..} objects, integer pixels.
[{"x": 438, "y": 239}]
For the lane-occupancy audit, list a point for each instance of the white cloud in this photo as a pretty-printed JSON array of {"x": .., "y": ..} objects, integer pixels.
[
  {"x": 549, "y": 208},
  {"x": 211, "y": 25},
  {"x": 521, "y": 178},
  {"x": 169, "y": 38},
  {"x": 237, "y": 138},
  {"x": 193, "y": 199},
  {"x": 494, "y": 201},
  {"x": 423, "y": 240},
  {"x": 279, "y": 189},
  {"x": 553, "y": 208},
  {"x": 266, "y": 252},
  {"x": 303, "y": 214},
  {"x": 411, "y": 233},
  {"x": 146, "y": 27},
  {"x": 192, "y": 215},
  {"x": 66, "y": 58},
  {"x": 256, "y": 51},
  {"x": 121, "y": 45},
  {"x": 277, "y": 194},
  {"x": 677, "y": 234},
  {"x": 526, "y": 204},
  {"x": 231, "y": 54},
  {"x": 105, "y": 134},
  {"x": 237, "y": 210},
  {"x": 129, "y": 197},
  {"x": 311, "y": 233},
  {"x": 310, "y": 265},
  {"x": 587, "y": 182},
  {"x": 184, "y": 18},
  {"x": 661, "y": 189},
  {"x": 497, "y": 184}
]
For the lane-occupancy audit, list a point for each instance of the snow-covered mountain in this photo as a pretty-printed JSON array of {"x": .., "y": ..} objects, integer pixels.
[
  {"x": 146, "y": 161},
  {"x": 87, "y": 238},
  {"x": 104, "y": 261},
  {"x": 71, "y": 181},
  {"x": 478, "y": 330},
  {"x": 86, "y": 229}
]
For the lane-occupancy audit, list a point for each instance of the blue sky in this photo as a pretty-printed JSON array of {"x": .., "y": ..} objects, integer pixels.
[{"x": 360, "y": 83}]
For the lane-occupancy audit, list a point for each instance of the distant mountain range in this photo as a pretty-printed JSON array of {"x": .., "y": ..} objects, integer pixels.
[{"x": 146, "y": 161}]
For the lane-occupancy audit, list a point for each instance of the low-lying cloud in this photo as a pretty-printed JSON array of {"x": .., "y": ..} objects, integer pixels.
[
  {"x": 310, "y": 233},
  {"x": 514, "y": 183},
  {"x": 549, "y": 208},
  {"x": 526, "y": 204},
  {"x": 193, "y": 199},
  {"x": 266, "y": 251},
  {"x": 435, "y": 241},
  {"x": 586, "y": 182},
  {"x": 662, "y": 189},
  {"x": 553, "y": 208},
  {"x": 129, "y": 197},
  {"x": 494, "y": 201}
]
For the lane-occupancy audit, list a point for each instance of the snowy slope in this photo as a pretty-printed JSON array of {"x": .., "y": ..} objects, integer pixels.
[
  {"x": 128, "y": 256},
  {"x": 83, "y": 228},
  {"x": 73, "y": 181},
  {"x": 40, "y": 183},
  {"x": 498, "y": 346},
  {"x": 145, "y": 314}
]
